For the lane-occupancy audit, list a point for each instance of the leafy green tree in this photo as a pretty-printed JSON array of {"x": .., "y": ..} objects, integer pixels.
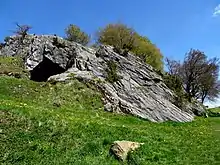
[
  {"x": 118, "y": 35},
  {"x": 148, "y": 52},
  {"x": 123, "y": 37},
  {"x": 112, "y": 75},
  {"x": 198, "y": 74},
  {"x": 175, "y": 83},
  {"x": 74, "y": 33}
]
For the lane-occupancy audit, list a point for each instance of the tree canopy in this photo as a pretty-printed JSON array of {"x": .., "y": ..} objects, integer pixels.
[
  {"x": 123, "y": 37},
  {"x": 22, "y": 29},
  {"x": 75, "y": 34},
  {"x": 148, "y": 52},
  {"x": 198, "y": 74},
  {"x": 118, "y": 35}
]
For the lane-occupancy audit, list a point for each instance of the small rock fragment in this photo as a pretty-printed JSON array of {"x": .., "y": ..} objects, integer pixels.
[{"x": 121, "y": 148}]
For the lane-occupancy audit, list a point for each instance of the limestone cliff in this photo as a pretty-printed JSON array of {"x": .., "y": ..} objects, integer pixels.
[{"x": 139, "y": 91}]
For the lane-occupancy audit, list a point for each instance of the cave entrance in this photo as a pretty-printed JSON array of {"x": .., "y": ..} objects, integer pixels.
[{"x": 45, "y": 69}]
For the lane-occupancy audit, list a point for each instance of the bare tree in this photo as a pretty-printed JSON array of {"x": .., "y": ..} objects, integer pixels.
[
  {"x": 211, "y": 93},
  {"x": 198, "y": 74},
  {"x": 22, "y": 30},
  {"x": 191, "y": 70},
  {"x": 209, "y": 83},
  {"x": 172, "y": 66}
]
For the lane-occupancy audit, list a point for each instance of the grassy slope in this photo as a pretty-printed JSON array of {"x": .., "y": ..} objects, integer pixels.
[
  {"x": 216, "y": 121},
  {"x": 12, "y": 66},
  {"x": 43, "y": 124},
  {"x": 215, "y": 109}
]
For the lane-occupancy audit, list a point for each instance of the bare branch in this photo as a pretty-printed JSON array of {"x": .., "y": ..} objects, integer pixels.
[{"x": 199, "y": 75}]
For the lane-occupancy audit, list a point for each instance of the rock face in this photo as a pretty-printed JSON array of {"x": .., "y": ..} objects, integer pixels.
[
  {"x": 44, "y": 55},
  {"x": 121, "y": 148},
  {"x": 140, "y": 91}
]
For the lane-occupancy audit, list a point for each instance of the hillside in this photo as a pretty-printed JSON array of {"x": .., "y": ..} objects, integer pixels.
[
  {"x": 215, "y": 109},
  {"x": 128, "y": 85},
  {"x": 60, "y": 104},
  {"x": 42, "y": 123}
]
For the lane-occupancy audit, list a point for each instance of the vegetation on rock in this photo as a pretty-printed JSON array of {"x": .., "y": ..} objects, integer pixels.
[
  {"x": 174, "y": 83},
  {"x": 148, "y": 52},
  {"x": 22, "y": 31},
  {"x": 118, "y": 35},
  {"x": 125, "y": 38},
  {"x": 74, "y": 33},
  {"x": 112, "y": 75},
  {"x": 7, "y": 38}
]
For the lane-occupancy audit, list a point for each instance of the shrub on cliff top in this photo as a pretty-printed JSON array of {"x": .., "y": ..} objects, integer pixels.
[
  {"x": 120, "y": 36},
  {"x": 74, "y": 33}
]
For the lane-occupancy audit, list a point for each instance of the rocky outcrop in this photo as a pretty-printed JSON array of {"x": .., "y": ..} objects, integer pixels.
[
  {"x": 44, "y": 55},
  {"x": 139, "y": 91}
]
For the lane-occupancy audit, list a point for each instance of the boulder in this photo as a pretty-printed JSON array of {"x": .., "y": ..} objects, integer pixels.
[
  {"x": 139, "y": 89},
  {"x": 120, "y": 149}
]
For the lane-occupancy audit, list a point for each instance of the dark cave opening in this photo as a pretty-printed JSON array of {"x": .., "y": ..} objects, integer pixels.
[{"x": 45, "y": 69}]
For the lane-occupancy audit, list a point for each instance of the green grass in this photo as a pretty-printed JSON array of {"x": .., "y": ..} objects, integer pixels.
[
  {"x": 215, "y": 123},
  {"x": 214, "y": 112},
  {"x": 44, "y": 124},
  {"x": 215, "y": 109},
  {"x": 12, "y": 66}
]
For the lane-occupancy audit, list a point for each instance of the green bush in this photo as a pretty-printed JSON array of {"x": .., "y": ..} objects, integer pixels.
[
  {"x": 74, "y": 33},
  {"x": 148, "y": 52},
  {"x": 1, "y": 45},
  {"x": 112, "y": 75},
  {"x": 7, "y": 38},
  {"x": 125, "y": 39},
  {"x": 213, "y": 113},
  {"x": 174, "y": 83},
  {"x": 118, "y": 35}
]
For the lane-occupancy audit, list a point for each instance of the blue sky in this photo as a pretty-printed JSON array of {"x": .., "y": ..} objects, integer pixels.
[{"x": 174, "y": 26}]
